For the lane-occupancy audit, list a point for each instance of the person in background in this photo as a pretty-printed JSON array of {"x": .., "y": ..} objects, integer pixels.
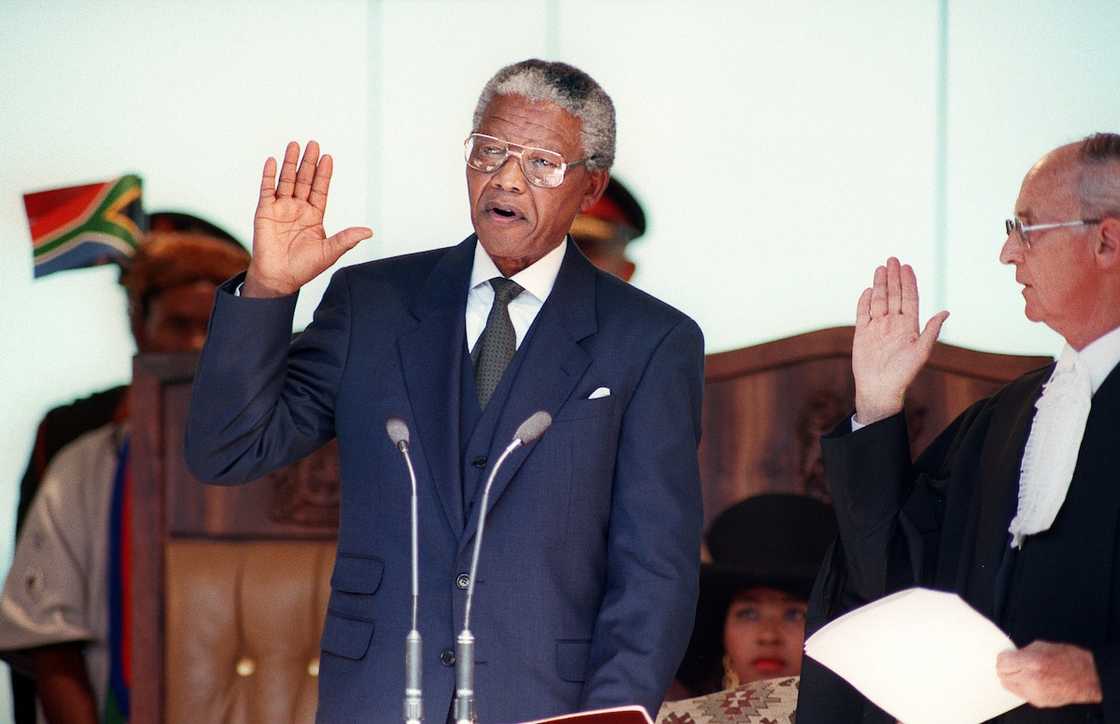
[
  {"x": 604, "y": 231},
  {"x": 750, "y": 617},
  {"x": 62, "y": 425},
  {"x": 63, "y": 611}
]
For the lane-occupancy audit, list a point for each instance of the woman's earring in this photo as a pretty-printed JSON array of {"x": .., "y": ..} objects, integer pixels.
[{"x": 730, "y": 677}]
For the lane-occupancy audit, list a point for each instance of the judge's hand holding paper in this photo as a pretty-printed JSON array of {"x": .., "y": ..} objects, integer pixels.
[
  {"x": 925, "y": 657},
  {"x": 1014, "y": 506}
]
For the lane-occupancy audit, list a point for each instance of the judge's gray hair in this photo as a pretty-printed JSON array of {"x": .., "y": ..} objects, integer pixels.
[
  {"x": 1100, "y": 175},
  {"x": 568, "y": 87}
]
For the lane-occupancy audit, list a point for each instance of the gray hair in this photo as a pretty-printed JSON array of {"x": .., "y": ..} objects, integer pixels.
[
  {"x": 568, "y": 87},
  {"x": 1099, "y": 156}
]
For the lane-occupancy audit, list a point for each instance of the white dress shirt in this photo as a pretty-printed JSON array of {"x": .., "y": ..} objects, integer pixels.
[
  {"x": 1100, "y": 357},
  {"x": 537, "y": 281}
]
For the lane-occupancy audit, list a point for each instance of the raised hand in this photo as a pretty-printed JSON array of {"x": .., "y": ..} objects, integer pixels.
[
  {"x": 887, "y": 351},
  {"x": 290, "y": 246}
]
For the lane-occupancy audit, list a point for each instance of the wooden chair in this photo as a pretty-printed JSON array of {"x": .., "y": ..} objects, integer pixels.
[{"x": 232, "y": 582}]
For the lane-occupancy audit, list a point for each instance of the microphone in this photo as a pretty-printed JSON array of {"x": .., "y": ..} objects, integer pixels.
[
  {"x": 413, "y": 696},
  {"x": 464, "y": 709}
]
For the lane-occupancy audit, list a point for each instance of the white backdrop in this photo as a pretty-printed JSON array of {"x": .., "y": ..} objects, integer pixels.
[{"x": 781, "y": 149}]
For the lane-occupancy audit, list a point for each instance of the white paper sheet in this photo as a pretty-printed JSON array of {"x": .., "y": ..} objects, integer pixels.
[{"x": 924, "y": 657}]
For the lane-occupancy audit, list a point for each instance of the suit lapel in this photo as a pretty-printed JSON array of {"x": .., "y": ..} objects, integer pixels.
[
  {"x": 554, "y": 362},
  {"x": 431, "y": 356}
]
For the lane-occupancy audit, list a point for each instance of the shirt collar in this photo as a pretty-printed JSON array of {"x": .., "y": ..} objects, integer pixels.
[
  {"x": 538, "y": 278},
  {"x": 1099, "y": 357}
]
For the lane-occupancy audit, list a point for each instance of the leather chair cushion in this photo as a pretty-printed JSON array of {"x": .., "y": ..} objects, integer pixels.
[{"x": 243, "y": 622}]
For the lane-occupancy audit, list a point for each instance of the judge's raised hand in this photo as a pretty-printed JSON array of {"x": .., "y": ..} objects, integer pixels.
[
  {"x": 290, "y": 247},
  {"x": 888, "y": 351}
]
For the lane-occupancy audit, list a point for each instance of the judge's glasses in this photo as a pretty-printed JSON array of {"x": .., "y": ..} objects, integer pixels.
[
  {"x": 1023, "y": 231},
  {"x": 541, "y": 167}
]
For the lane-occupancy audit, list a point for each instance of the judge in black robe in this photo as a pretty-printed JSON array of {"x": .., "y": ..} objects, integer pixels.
[{"x": 942, "y": 520}]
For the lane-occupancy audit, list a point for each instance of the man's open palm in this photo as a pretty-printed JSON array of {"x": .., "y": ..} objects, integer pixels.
[
  {"x": 290, "y": 246},
  {"x": 887, "y": 351}
]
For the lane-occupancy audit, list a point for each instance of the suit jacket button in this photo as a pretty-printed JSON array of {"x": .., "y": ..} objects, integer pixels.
[
  {"x": 447, "y": 657},
  {"x": 479, "y": 462},
  {"x": 463, "y": 581}
]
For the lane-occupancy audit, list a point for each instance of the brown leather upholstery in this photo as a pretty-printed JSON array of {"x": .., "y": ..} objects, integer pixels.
[{"x": 243, "y": 625}]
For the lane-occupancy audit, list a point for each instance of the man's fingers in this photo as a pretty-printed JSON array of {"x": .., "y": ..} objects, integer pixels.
[
  {"x": 288, "y": 170},
  {"x": 932, "y": 330},
  {"x": 863, "y": 308},
  {"x": 879, "y": 292},
  {"x": 307, "y": 171},
  {"x": 321, "y": 184},
  {"x": 909, "y": 293},
  {"x": 894, "y": 287},
  {"x": 268, "y": 180},
  {"x": 1008, "y": 662},
  {"x": 347, "y": 239},
  {"x": 1013, "y": 683}
]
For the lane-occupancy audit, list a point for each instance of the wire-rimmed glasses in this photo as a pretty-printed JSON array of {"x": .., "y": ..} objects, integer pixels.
[
  {"x": 1016, "y": 226},
  {"x": 541, "y": 166}
]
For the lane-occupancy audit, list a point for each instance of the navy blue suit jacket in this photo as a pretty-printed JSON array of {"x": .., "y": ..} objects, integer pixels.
[{"x": 588, "y": 575}]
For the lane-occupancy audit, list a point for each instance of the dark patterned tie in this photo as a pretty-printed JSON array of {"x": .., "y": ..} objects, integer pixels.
[{"x": 498, "y": 341}]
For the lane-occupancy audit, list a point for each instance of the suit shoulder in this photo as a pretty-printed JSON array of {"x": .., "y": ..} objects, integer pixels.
[
  {"x": 618, "y": 296},
  {"x": 405, "y": 269}
]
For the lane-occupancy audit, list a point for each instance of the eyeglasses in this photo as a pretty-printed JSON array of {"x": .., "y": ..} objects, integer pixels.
[
  {"x": 1016, "y": 226},
  {"x": 541, "y": 167}
]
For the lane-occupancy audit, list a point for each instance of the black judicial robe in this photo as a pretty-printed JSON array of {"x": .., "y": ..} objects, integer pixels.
[{"x": 941, "y": 522}]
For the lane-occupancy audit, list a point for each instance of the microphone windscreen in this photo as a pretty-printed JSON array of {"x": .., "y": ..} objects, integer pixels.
[
  {"x": 534, "y": 427},
  {"x": 397, "y": 429}
]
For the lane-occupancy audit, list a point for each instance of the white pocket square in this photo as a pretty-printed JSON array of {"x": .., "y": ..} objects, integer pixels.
[{"x": 600, "y": 392}]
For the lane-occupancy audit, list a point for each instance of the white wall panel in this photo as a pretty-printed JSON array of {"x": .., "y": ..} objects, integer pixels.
[
  {"x": 434, "y": 59},
  {"x": 781, "y": 150},
  {"x": 1023, "y": 78}
]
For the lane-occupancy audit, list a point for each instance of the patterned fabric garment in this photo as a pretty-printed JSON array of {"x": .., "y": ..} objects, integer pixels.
[
  {"x": 498, "y": 343},
  {"x": 771, "y": 701}
]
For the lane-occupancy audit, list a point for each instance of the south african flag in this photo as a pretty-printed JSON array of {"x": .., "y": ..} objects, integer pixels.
[{"x": 82, "y": 226}]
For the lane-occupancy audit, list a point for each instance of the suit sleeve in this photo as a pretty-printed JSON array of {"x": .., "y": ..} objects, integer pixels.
[
  {"x": 653, "y": 541},
  {"x": 261, "y": 400},
  {"x": 889, "y": 510}
]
